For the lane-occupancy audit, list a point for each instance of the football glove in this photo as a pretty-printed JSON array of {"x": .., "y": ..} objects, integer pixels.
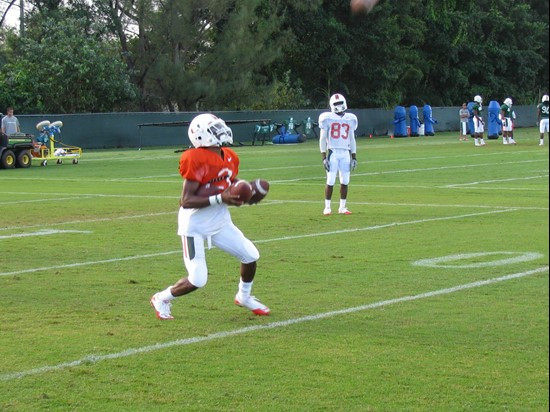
[
  {"x": 353, "y": 164},
  {"x": 326, "y": 164}
]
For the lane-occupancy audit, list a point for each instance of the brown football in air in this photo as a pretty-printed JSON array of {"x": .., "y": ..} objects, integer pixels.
[
  {"x": 260, "y": 188},
  {"x": 243, "y": 189}
]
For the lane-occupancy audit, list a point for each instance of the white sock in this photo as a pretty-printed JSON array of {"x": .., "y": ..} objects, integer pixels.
[
  {"x": 481, "y": 141},
  {"x": 166, "y": 294},
  {"x": 327, "y": 203},
  {"x": 504, "y": 140},
  {"x": 541, "y": 141},
  {"x": 476, "y": 141},
  {"x": 342, "y": 203},
  {"x": 244, "y": 289}
]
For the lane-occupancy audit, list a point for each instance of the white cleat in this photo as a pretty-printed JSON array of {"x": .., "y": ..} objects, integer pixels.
[
  {"x": 512, "y": 141},
  {"x": 504, "y": 141},
  {"x": 344, "y": 211},
  {"x": 257, "y": 307},
  {"x": 541, "y": 144},
  {"x": 162, "y": 308},
  {"x": 327, "y": 211}
]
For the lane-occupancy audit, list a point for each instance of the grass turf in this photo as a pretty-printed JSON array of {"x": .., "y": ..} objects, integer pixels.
[{"x": 83, "y": 291}]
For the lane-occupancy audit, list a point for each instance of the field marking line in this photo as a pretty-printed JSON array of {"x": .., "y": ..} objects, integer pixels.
[
  {"x": 372, "y": 185},
  {"x": 142, "y": 180},
  {"x": 334, "y": 232},
  {"x": 254, "y": 151},
  {"x": 92, "y": 359},
  {"x": 427, "y": 169},
  {"x": 440, "y": 262},
  {"x": 15, "y": 202},
  {"x": 89, "y": 263},
  {"x": 269, "y": 202},
  {"x": 496, "y": 181},
  {"x": 317, "y": 165},
  {"x": 46, "y": 232},
  {"x": 96, "y": 220},
  {"x": 424, "y": 205}
]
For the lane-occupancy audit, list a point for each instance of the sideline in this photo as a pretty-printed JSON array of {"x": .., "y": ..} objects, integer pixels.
[{"x": 92, "y": 359}]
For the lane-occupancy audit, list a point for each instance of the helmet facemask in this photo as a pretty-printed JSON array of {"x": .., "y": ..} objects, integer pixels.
[{"x": 338, "y": 104}]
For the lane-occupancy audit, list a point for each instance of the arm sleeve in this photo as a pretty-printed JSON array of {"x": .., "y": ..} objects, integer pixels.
[
  {"x": 323, "y": 141},
  {"x": 353, "y": 144}
]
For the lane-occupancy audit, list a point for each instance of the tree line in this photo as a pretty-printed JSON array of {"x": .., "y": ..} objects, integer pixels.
[{"x": 79, "y": 56}]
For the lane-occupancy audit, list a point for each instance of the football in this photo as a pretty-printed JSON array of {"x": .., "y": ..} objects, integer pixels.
[
  {"x": 362, "y": 6},
  {"x": 243, "y": 189},
  {"x": 260, "y": 188}
]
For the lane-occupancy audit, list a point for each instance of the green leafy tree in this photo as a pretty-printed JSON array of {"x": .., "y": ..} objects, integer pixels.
[
  {"x": 58, "y": 69},
  {"x": 419, "y": 51}
]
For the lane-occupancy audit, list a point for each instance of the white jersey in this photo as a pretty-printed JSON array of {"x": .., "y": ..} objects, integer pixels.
[{"x": 337, "y": 131}]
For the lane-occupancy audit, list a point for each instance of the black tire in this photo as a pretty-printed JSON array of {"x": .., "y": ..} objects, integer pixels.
[
  {"x": 8, "y": 160},
  {"x": 44, "y": 163},
  {"x": 24, "y": 159},
  {"x": 75, "y": 161}
]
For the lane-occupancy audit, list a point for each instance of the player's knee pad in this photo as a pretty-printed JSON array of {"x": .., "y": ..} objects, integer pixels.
[
  {"x": 251, "y": 253},
  {"x": 233, "y": 241},
  {"x": 331, "y": 178},
  {"x": 194, "y": 260},
  {"x": 197, "y": 271},
  {"x": 344, "y": 178}
]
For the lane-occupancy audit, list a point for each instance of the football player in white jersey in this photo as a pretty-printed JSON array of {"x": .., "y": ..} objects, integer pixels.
[{"x": 338, "y": 149}]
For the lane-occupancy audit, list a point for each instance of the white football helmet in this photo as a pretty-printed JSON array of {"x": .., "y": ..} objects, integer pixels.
[
  {"x": 207, "y": 130},
  {"x": 338, "y": 104},
  {"x": 478, "y": 99},
  {"x": 545, "y": 98},
  {"x": 508, "y": 102}
]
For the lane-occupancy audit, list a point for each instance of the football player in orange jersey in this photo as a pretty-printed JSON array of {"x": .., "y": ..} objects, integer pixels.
[{"x": 204, "y": 217}]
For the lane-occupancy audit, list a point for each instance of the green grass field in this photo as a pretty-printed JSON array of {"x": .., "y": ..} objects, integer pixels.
[{"x": 431, "y": 296}]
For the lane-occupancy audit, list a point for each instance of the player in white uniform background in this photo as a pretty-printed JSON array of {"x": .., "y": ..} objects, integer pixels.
[{"x": 338, "y": 149}]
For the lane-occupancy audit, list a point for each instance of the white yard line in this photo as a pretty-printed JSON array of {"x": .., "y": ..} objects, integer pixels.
[
  {"x": 434, "y": 205},
  {"x": 47, "y": 232},
  {"x": 79, "y": 197},
  {"x": 512, "y": 179},
  {"x": 57, "y": 199},
  {"x": 149, "y": 179},
  {"x": 85, "y": 221},
  {"x": 89, "y": 263},
  {"x": 309, "y": 235},
  {"x": 97, "y": 195},
  {"x": 426, "y": 169},
  {"x": 272, "y": 203},
  {"x": 92, "y": 359}
]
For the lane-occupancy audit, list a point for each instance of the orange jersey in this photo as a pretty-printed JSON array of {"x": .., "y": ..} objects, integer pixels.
[{"x": 206, "y": 167}]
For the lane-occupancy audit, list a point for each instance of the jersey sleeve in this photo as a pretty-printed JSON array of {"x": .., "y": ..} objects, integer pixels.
[
  {"x": 193, "y": 166},
  {"x": 187, "y": 166},
  {"x": 323, "y": 121},
  {"x": 323, "y": 144},
  {"x": 353, "y": 143},
  {"x": 355, "y": 122}
]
